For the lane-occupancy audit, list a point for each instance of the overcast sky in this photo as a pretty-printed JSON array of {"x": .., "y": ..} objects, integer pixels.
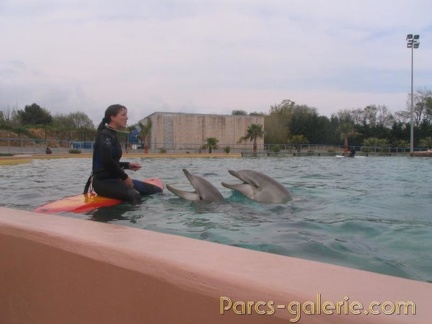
[{"x": 211, "y": 56}]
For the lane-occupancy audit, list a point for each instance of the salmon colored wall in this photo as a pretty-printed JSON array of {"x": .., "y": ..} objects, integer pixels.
[{"x": 55, "y": 269}]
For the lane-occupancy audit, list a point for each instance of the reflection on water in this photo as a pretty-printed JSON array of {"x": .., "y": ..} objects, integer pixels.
[{"x": 372, "y": 214}]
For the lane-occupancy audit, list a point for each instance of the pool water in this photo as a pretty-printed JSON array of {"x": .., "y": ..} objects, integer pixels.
[{"x": 370, "y": 213}]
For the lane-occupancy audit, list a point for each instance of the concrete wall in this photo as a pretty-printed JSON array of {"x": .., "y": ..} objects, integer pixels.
[
  {"x": 189, "y": 131},
  {"x": 56, "y": 269}
]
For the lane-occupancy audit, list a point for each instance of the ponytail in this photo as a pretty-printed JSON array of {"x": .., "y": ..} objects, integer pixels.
[{"x": 102, "y": 124}]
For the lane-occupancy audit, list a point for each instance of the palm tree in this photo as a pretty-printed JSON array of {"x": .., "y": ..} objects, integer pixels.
[
  {"x": 377, "y": 143},
  {"x": 211, "y": 144},
  {"x": 297, "y": 141},
  {"x": 426, "y": 142},
  {"x": 253, "y": 132},
  {"x": 346, "y": 130},
  {"x": 145, "y": 134}
]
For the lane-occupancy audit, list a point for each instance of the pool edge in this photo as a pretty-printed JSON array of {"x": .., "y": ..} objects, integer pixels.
[{"x": 55, "y": 268}]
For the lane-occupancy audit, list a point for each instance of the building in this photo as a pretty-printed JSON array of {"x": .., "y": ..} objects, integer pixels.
[{"x": 185, "y": 131}]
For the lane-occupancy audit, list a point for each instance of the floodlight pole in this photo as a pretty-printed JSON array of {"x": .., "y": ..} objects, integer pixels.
[{"x": 412, "y": 42}]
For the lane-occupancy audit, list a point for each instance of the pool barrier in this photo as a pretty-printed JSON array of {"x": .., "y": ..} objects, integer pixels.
[{"x": 57, "y": 269}]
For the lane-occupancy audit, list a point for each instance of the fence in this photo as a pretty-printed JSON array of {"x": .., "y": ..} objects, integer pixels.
[
  {"x": 35, "y": 146},
  {"x": 38, "y": 146}
]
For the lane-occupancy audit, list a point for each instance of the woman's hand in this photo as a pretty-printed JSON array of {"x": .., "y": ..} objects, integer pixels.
[{"x": 134, "y": 166}]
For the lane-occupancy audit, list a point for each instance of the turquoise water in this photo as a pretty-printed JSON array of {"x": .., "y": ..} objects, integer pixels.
[{"x": 371, "y": 213}]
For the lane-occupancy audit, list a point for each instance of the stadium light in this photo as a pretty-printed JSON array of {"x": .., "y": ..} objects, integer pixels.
[{"x": 412, "y": 42}]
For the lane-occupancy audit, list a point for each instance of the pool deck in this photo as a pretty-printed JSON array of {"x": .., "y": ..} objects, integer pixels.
[
  {"x": 25, "y": 158},
  {"x": 56, "y": 269},
  {"x": 423, "y": 154}
]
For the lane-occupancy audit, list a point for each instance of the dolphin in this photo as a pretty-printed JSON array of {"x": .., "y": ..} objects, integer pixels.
[
  {"x": 204, "y": 190},
  {"x": 259, "y": 187}
]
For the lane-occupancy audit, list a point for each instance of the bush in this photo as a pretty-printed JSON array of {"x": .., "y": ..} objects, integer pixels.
[
  {"x": 276, "y": 148},
  {"x": 74, "y": 151},
  {"x": 227, "y": 149},
  {"x": 162, "y": 150}
]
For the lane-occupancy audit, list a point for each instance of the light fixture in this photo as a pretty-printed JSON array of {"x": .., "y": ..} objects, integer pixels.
[{"x": 412, "y": 42}]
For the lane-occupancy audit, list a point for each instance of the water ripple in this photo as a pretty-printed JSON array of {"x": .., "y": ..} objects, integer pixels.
[{"x": 372, "y": 214}]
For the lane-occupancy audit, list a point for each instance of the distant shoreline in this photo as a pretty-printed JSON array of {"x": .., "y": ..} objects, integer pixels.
[{"x": 26, "y": 158}]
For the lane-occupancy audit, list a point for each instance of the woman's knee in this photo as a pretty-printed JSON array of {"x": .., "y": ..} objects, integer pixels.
[{"x": 134, "y": 196}]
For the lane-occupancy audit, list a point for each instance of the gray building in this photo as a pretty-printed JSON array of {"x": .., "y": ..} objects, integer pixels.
[{"x": 185, "y": 131}]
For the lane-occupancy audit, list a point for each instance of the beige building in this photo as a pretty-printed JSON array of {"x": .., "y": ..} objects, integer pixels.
[{"x": 180, "y": 131}]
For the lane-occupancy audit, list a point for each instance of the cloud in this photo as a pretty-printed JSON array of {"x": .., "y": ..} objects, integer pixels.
[{"x": 210, "y": 56}]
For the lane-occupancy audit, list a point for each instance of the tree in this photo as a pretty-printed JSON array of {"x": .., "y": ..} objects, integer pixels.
[
  {"x": 385, "y": 117},
  {"x": 145, "y": 134},
  {"x": 211, "y": 144},
  {"x": 297, "y": 141},
  {"x": 346, "y": 130},
  {"x": 81, "y": 120},
  {"x": 372, "y": 116},
  {"x": 253, "y": 132},
  {"x": 278, "y": 121},
  {"x": 239, "y": 113},
  {"x": 422, "y": 108},
  {"x": 63, "y": 122},
  {"x": 346, "y": 116},
  {"x": 426, "y": 142},
  {"x": 422, "y": 99},
  {"x": 255, "y": 113},
  {"x": 305, "y": 121},
  {"x": 276, "y": 129},
  {"x": 9, "y": 117},
  {"x": 428, "y": 102},
  {"x": 377, "y": 143},
  {"x": 400, "y": 132},
  {"x": 401, "y": 144},
  {"x": 76, "y": 120},
  {"x": 35, "y": 115}
]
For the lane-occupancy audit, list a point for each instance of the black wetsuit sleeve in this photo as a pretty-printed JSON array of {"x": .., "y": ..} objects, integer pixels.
[
  {"x": 109, "y": 155},
  {"x": 124, "y": 165}
]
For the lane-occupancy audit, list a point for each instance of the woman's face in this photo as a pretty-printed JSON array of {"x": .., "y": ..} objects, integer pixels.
[{"x": 119, "y": 121}]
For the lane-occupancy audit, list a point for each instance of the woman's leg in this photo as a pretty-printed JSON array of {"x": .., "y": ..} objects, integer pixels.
[
  {"x": 115, "y": 188},
  {"x": 146, "y": 188}
]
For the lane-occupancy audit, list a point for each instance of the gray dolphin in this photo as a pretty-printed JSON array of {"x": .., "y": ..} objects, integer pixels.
[
  {"x": 204, "y": 190},
  {"x": 259, "y": 187}
]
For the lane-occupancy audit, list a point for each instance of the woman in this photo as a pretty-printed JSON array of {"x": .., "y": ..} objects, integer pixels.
[{"x": 109, "y": 178}]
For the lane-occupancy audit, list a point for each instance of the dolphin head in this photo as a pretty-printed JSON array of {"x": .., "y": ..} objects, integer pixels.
[
  {"x": 204, "y": 190},
  {"x": 259, "y": 187}
]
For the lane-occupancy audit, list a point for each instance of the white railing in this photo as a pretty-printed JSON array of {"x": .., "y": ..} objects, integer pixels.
[{"x": 20, "y": 146}]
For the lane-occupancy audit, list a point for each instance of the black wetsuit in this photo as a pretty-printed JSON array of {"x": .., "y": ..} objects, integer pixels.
[{"x": 108, "y": 171}]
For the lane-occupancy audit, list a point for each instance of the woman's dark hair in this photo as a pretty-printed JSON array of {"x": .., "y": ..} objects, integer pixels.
[{"x": 112, "y": 110}]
